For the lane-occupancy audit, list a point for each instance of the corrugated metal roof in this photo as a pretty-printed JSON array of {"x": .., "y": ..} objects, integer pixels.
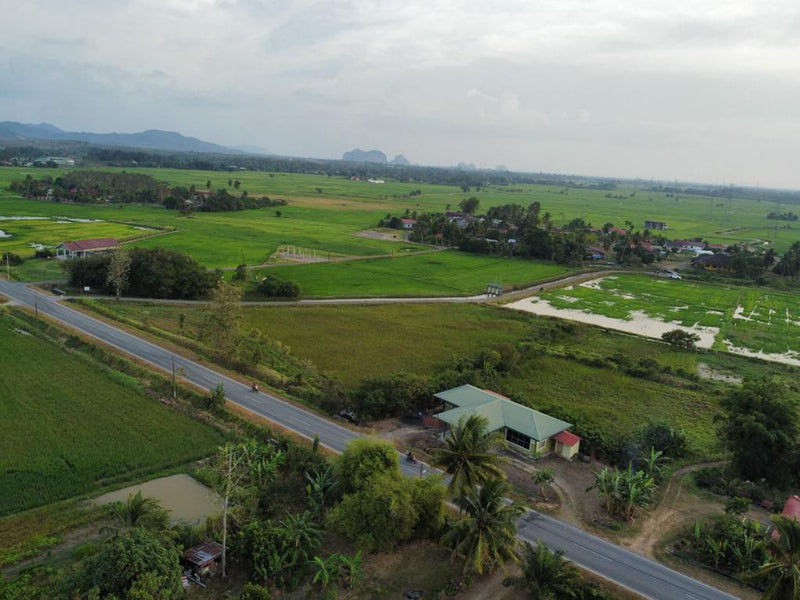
[
  {"x": 94, "y": 244},
  {"x": 203, "y": 553},
  {"x": 500, "y": 412}
]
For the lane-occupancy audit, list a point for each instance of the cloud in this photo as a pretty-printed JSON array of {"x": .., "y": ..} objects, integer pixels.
[{"x": 665, "y": 89}]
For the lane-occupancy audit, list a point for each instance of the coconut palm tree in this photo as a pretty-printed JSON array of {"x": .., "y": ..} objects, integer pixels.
[
  {"x": 784, "y": 565},
  {"x": 139, "y": 511},
  {"x": 486, "y": 536},
  {"x": 547, "y": 574},
  {"x": 469, "y": 454}
]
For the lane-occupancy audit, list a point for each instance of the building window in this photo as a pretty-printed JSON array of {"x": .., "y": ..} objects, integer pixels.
[
  {"x": 518, "y": 439},
  {"x": 540, "y": 446}
]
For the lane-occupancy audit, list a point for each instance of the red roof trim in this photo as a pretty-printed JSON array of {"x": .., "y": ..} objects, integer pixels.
[
  {"x": 792, "y": 508},
  {"x": 567, "y": 438},
  {"x": 93, "y": 244}
]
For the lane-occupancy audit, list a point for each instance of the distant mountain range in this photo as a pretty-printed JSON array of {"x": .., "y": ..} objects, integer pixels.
[
  {"x": 151, "y": 139},
  {"x": 373, "y": 156}
]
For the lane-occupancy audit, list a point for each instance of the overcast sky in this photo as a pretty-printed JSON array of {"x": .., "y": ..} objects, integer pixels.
[{"x": 700, "y": 90}]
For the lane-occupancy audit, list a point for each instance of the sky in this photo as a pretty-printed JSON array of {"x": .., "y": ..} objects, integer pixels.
[{"x": 703, "y": 91}]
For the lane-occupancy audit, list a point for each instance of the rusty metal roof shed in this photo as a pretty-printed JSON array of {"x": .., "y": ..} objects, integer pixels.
[{"x": 203, "y": 554}]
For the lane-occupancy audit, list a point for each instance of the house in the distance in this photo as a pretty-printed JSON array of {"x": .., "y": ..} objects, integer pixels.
[
  {"x": 407, "y": 223},
  {"x": 655, "y": 225},
  {"x": 82, "y": 248},
  {"x": 713, "y": 262},
  {"x": 686, "y": 246},
  {"x": 521, "y": 426}
]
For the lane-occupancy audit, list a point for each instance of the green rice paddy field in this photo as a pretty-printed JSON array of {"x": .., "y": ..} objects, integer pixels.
[
  {"x": 326, "y": 222},
  {"x": 69, "y": 426},
  {"x": 749, "y": 317},
  {"x": 445, "y": 273},
  {"x": 357, "y": 342}
]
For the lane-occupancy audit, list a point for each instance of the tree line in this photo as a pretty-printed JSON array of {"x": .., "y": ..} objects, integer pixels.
[{"x": 88, "y": 186}]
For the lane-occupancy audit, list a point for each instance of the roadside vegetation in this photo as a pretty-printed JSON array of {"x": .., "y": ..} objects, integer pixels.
[{"x": 601, "y": 381}]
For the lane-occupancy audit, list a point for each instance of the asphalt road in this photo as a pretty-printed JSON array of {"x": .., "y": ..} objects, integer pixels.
[{"x": 635, "y": 572}]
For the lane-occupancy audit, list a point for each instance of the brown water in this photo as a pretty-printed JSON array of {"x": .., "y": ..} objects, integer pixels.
[{"x": 187, "y": 499}]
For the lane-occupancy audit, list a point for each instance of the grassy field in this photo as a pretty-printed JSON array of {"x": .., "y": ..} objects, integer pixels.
[
  {"x": 50, "y": 232},
  {"x": 446, "y": 273},
  {"x": 357, "y": 342},
  {"x": 326, "y": 221},
  {"x": 748, "y": 317},
  {"x": 68, "y": 426}
]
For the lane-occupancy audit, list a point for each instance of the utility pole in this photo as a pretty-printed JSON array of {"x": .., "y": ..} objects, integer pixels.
[
  {"x": 36, "y": 306},
  {"x": 8, "y": 267},
  {"x": 179, "y": 371}
]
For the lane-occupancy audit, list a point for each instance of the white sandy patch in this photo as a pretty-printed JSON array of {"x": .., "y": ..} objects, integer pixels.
[
  {"x": 679, "y": 308},
  {"x": 38, "y": 246},
  {"x": 595, "y": 283},
  {"x": 790, "y": 357},
  {"x": 4, "y": 235},
  {"x": 394, "y": 235},
  {"x": 569, "y": 299},
  {"x": 739, "y": 313},
  {"x": 76, "y": 220},
  {"x": 714, "y": 312},
  {"x": 639, "y": 322},
  {"x": 569, "y": 287}
]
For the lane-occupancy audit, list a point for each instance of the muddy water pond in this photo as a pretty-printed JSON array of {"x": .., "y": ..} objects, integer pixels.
[{"x": 187, "y": 499}]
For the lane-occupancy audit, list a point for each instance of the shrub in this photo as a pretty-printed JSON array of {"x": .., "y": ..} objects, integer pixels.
[
  {"x": 273, "y": 287},
  {"x": 665, "y": 438},
  {"x": 679, "y": 338},
  {"x": 13, "y": 259}
]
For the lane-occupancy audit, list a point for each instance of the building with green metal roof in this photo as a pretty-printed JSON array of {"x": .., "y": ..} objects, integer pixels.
[{"x": 522, "y": 426}]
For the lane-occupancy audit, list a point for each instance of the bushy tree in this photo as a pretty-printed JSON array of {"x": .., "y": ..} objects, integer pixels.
[
  {"x": 132, "y": 566},
  {"x": 678, "y": 338},
  {"x": 278, "y": 552},
  {"x": 274, "y": 287},
  {"x": 379, "y": 516},
  {"x": 118, "y": 269},
  {"x": 153, "y": 273},
  {"x": 223, "y": 318},
  {"x": 364, "y": 459},
  {"x": 671, "y": 441},
  {"x": 761, "y": 430},
  {"x": 469, "y": 205}
]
